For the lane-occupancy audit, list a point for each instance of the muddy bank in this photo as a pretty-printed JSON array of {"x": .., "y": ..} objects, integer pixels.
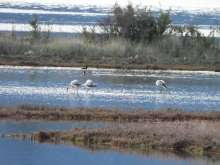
[
  {"x": 97, "y": 114},
  {"x": 45, "y": 63}
]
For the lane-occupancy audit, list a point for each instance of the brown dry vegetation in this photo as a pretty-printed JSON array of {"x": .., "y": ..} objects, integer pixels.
[
  {"x": 191, "y": 137},
  {"x": 98, "y": 114},
  {"x": 195, "y": 133}
]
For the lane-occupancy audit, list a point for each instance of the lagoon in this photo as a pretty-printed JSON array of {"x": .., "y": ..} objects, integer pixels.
[{"x": 121, "y": 89}]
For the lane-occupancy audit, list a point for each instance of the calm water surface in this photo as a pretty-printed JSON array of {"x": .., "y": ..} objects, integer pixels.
[
  {"x": 8, "y": 126},
  {"x": 15, "y": 152},
  {"x": 115, "y": 88}
]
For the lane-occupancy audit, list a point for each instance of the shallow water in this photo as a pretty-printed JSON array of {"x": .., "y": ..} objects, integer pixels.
[
  {"x": 8, "y": 126},
  {"x": 15, "y": 152},
  {"x": 26, "y": 152},
  {"x": 115, "y": 88}
]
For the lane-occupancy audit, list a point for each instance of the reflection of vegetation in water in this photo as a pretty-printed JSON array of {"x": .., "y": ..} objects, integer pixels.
[{"x": 161, "y": 155}]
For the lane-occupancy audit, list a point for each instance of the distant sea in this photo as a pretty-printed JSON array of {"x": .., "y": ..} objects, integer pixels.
[{"x": 71, "y": 18}]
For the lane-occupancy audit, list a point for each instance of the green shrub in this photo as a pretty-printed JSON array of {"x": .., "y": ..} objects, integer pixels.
[
  {"x": 34, "y": 23},
  {"x": 135, "y": 24}
]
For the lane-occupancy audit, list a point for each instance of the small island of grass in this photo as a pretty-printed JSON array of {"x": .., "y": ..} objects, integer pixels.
[{"x": 195, "y": 133}]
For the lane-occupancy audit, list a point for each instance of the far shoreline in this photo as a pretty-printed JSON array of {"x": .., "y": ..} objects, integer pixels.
[{"x": 160, "y": 68}]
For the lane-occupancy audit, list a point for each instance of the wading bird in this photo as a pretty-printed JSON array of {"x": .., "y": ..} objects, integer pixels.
[
  {"x": 88, "y": 85},
  {"x": 161, "y": 84},
  {"x": 75, "y": 84},
  {"x": 84, "y": 69}
]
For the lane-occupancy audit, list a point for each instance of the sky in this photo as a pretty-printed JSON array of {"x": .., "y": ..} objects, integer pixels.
[{"x": 165, "y": 4}]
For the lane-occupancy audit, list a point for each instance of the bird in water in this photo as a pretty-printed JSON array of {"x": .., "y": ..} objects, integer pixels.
[
  {"x": 75, "y": 84},
  {"x": 89, "y": 84},
  {"x": 84, "y": 69},
  {"x": 161, "y": 84}
]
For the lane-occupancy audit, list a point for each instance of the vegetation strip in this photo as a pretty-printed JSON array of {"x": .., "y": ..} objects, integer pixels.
[
  {"x": 191, "y": 137},
  {"x": 132, "y": 38},
  {"x": 97, "y": 114}
]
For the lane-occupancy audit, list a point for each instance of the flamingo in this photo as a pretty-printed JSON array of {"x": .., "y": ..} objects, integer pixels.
[
  {"x": 88, "y": 85},
  {"x": 75, "y": 84},
  {"x": 161, "y": 84}
]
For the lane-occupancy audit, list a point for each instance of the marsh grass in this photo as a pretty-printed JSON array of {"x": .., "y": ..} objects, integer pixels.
[
  {"x": 194, "y": 133},
  {"x": 169, "y": 52},
  {"x": 131, "y": 38},
  {"x": 196, "y": 138},
  {"x": 99, "y": 114}
]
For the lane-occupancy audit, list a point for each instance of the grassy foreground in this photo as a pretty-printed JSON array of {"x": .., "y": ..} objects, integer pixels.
[{"x": 195, "y": 133}]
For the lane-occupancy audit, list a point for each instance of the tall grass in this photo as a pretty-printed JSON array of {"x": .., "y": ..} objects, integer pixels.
[{"x": 115, "y": 52}]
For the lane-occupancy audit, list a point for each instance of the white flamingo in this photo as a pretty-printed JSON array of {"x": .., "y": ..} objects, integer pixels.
[
  {"x": 88, "y": 85},
  {"x": 75, "y": 84},
  {"x": 161, "y": 84}
]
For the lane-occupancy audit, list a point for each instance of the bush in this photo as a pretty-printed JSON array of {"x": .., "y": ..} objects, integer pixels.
[
  {"x": 34, "y": 23},
  {"x": 135, "y": 24}
]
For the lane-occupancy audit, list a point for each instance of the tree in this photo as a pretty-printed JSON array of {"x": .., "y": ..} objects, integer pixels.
[
  {"x": 34, "y": 23},
  {"x": 163, "y": 22},
  {"x": 135, "y": 24}
]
